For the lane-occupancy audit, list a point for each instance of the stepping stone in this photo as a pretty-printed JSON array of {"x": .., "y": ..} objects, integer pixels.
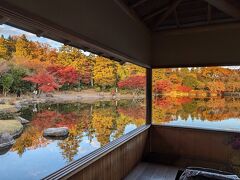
[{"x": 56, "y": 132}]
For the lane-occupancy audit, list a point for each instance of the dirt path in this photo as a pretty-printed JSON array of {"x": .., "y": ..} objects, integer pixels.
[{"x": 86, "y": 96}]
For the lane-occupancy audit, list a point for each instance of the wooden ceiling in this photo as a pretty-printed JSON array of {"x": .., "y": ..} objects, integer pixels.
[{"x": 174, "y": 14}]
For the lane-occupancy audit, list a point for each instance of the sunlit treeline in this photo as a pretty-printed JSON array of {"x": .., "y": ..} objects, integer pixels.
[
  {"x": 26, "y": 64},
  {"x": 201, "y": 81}
]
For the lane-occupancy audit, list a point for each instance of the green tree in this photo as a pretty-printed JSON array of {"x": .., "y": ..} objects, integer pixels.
[
  {"x": 6, "y": 82},
  {"x": 190, "y": 81},
  {"x": 18, "y": 84}
]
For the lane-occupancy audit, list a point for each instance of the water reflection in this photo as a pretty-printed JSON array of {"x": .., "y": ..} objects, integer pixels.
[
  {"x": 90, "y": 127},
  {"x": 214, "y": 113}
]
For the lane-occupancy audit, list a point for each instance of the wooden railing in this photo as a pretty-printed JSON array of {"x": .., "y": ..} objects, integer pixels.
[{"x": 113, "y": 161}]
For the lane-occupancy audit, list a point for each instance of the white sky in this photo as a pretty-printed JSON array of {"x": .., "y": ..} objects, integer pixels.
[{"x": 6, "y": 31}]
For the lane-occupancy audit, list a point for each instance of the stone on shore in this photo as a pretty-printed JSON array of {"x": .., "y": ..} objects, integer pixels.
[
  {"x": 6, "y": 141},
  {"x": 22, "y": 120},
  {"x": 7, "y": 108},
  {"x": 12, "y": 127},
  {"x": 56, "y": 132},
  {"x": 2, "y": 101}
]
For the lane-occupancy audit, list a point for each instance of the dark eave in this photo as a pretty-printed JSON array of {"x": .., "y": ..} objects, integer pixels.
[{"x": 149, "y": 33}]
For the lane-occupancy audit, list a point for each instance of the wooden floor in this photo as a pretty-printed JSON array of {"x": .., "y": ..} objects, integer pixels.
[{"x": 149, "y": 171}]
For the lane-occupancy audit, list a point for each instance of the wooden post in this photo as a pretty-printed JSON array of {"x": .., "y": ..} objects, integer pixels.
[{"x": 149, "y": 96}]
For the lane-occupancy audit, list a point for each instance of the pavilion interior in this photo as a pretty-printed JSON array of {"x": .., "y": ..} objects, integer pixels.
[{"x": 152, "y": 34}]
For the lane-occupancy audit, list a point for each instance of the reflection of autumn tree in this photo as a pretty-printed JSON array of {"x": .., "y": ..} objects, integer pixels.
[
  {"x": 137, "y": 114},
  {"x": 214, "y": 109},
  {"x": 121, "y": 123},
  {"x": 30, "y": 139},
  {"x": 46, "y": 119},
  {"x": 102, "y": 122},
  {"x": 70, "y": 145}
]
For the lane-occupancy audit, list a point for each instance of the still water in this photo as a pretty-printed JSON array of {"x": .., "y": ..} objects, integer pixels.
[
  {"x": 91, "y": 126},
  {"x": 207, "y": 113},
  {"x": 94, "y": 125}
]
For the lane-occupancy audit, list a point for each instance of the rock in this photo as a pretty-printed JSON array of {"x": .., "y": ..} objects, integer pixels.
[
  {"x": 6, "y": 141},
  {"x": 22, "y": 120},
  {"x": 2, "y": 101},
  {"x": 6, "y": 108},
  {"x": 12, "y": 127},
  {"x": 56, "y": 132},
  {"x": 49, "y": 95}
]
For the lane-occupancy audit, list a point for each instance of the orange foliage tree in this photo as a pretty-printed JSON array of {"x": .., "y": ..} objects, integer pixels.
[
  {"x": 44, "y": 81},
  {"x": 162, "y": 86}
]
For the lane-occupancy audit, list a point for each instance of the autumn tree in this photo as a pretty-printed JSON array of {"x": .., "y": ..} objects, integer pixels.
[
  {"x": 162, "y": 86},
  {"x": 3, "y": 48},
  {"x": 136, "y": 83},
  {"x": 69, "y": 56},
  {"x": 158, "y": 74},
  {"x": 23, "y": 48},
  {"x": 64, "y": 75},
  {"x": 190, "y": 81},
  {"x": 44, "y": 81},
  {"x": 105, "y": 74},
  {"x": 183, "y": 88},
  {"x": 216, "y": 87}
]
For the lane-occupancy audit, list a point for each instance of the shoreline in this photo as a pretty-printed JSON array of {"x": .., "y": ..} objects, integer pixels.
[{"x": 14, "y": 104}]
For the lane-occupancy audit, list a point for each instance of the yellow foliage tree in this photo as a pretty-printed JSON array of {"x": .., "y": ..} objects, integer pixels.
[{"x": 105, "y": 72}]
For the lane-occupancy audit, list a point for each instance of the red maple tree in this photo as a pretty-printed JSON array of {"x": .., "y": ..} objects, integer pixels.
[
  {"x": 137, "y": 82},
  {"x": 183, "y": 88},
  {"x": 163, "y": 86},
  {"x": 64, "y": 75},
  {"x": 45, "y": 81}
]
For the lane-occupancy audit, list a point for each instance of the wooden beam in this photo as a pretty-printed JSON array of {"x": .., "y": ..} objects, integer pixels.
[
  {"x": 149, "y": 96},
  {"x": 176, "y": 18},
  {"x": 3, "y": 20},
  {"x": 40, "y": 33},
  {"x": 195, "y": 25},
  {"x": 170, "y": 10},
  {"x": 155, "y": 13},
  {"x": 226, "y": 6},
  {"x": 138, "y": 3},
  {"x": 129, "y": 12},
  {"x": 209, "y": 16}
]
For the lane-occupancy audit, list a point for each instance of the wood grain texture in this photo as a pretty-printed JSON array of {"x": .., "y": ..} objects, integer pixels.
[
  {"x": 196, "y": 147},
  {"x": 149, "y": 171},
  {"x": 116, "y": 164}
]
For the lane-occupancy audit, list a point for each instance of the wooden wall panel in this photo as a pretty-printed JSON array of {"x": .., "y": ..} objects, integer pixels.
[
  {"x": 196, "y": 147},
  {"x": 200, "y": 46},
  {"x": 118, "y": 163}
]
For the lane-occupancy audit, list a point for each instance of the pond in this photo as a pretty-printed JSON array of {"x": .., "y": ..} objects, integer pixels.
[
  {"x": 94, "y": 125},
  {"x": 91, "y": 126},
  {"x": 219, "y": 113}
]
